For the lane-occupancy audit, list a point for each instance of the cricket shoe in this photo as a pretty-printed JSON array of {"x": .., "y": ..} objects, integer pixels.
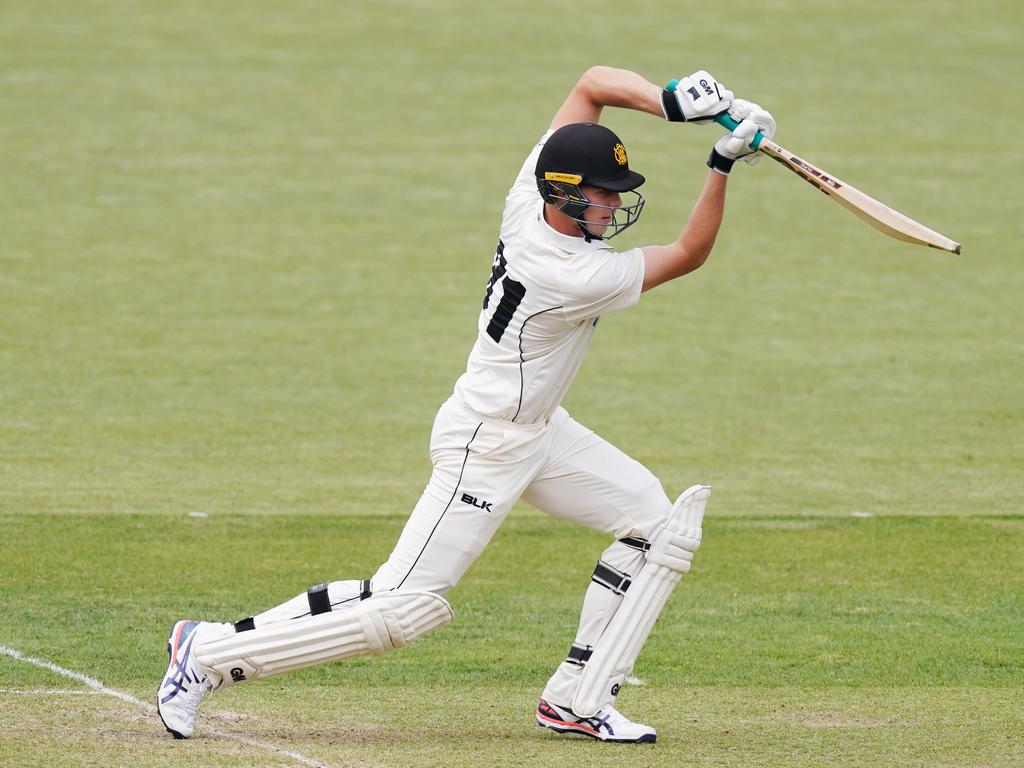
[
  {"x": 607, "y": 724},
  {"x": 184, "y": 684}
]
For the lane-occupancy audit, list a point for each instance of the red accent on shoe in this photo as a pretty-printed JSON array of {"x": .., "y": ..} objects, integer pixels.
[
  {"x": 568, "y": 725},
  {"x": 175, "y": 640}
]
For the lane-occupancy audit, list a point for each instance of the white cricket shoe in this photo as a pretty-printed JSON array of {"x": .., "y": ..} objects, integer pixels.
[
  {"x": 607, "y": 724},
  {"x": 184, "y": 684}
]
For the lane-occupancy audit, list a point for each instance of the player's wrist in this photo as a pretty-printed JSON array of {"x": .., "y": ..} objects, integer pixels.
[
  {"x": 720, "y": 163},
  {"x": 670, "y": 106}
]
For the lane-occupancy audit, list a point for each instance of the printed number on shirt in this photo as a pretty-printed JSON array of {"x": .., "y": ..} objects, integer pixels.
[{"x": 512, "y": 293}]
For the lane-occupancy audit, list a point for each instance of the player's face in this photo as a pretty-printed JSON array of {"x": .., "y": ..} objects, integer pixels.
[{"x": 603, "y": 203}]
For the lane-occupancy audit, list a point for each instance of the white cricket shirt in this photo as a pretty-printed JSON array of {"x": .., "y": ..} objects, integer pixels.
[{"x": 541, "y": 307}]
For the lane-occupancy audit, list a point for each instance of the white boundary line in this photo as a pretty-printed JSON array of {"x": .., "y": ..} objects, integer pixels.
[
  {"x": 99, "y": 688},
  {"x": 48, "y": 692}
]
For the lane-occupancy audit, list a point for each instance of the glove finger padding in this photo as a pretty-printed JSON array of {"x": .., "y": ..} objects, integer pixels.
[
  {"x": 740, "y": 110},
  {"x": 737, "y": 144},
  {"x": 732, "y": 147}
]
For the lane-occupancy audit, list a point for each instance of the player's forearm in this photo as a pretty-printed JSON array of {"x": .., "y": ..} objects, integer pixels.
[
  {"x": 698, "y": 236},
  {"x": 601, "y": 87},
  {"x": 667, "y": 262},
  {"x": 612, "y": 87}
]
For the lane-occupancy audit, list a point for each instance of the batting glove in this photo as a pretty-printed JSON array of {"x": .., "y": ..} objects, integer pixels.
[
  {"x": 732, "y": 147},
  {"x": 736, "y": 145},
  {"x": 740, "y": 110},
  {"x": 697, "y": 98}
]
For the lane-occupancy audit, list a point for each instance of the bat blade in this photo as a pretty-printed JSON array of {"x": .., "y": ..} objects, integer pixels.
[{"x": 877, "y": 214}]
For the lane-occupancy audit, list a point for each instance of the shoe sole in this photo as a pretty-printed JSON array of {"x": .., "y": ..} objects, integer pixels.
[{"x": 560, "y": 726}]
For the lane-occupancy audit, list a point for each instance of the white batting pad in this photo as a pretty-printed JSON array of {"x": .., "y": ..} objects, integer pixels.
[
  {"x": 669, "y": 559},
  {"x": 372, "y": 626}
]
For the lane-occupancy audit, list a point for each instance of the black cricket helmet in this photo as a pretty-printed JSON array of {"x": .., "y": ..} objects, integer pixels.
[{"x": 588, "y": 154}]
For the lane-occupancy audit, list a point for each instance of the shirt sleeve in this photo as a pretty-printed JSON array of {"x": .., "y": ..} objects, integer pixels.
[
  {"x": 526, "y": 181},
  {"x": 608, "y": 282}
]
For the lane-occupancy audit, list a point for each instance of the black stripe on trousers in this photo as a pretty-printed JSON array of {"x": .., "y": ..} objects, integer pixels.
[{"x": 446, "y": 507}]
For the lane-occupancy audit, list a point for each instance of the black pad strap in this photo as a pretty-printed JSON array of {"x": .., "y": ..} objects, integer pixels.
[
  {"x": 245, "y": 625},
  {"x": 319, "y": 601},
  {"x": 673, "y": 112},
  {"x": 579, "y": 654},
  {"x": 364, "y": 589},
  {"x": 636, "y": 543},
  {"x": 610, "y": 578}
]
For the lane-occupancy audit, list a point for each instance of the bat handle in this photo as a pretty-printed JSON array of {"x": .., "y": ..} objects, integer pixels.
[{"x": 727, "y": 122}]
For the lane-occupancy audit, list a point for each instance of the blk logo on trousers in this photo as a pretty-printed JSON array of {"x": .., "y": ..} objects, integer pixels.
[{"x": 475, "y": 502}]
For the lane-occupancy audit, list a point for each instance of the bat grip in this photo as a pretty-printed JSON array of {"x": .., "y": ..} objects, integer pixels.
[{"x": 727, "y": 122}]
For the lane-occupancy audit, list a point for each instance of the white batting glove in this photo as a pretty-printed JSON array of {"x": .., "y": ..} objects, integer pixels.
[
  {"x": 732, "y": 147},
  {"x": 697, "y": 98},
  {"x": 741, "y": 110}
]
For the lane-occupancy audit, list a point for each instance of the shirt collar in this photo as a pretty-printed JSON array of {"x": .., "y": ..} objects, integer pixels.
[{"x": 569, "y": 243}]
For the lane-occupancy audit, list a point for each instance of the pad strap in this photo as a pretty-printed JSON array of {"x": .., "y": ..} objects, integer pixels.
[
  {"x": 611, "y": 578},
  {"x": 635, "y": 542},
  {"x": 579, "y": 654},
  {"x": 319, "y": 600}
]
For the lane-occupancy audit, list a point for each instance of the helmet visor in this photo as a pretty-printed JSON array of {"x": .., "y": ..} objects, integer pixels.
[
  {"x": 604, "y": 221},
  {"x": 613, "y": 219}
]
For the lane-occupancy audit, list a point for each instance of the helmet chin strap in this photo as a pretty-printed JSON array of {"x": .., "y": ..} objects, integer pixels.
[{"x": 587, "y": 234}]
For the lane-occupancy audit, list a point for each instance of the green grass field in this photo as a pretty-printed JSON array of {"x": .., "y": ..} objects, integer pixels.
[{"x": 242, "y": 250}]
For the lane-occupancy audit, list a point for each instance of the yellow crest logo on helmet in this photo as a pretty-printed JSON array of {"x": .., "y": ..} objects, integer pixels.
[{"x": 620, "y": 154}]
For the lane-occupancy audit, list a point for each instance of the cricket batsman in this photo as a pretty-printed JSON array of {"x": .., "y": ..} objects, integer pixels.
[{"x": 503, "y": 435}]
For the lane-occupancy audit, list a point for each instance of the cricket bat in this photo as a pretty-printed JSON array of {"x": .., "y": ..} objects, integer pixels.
[{"x": 877, "y": 214}]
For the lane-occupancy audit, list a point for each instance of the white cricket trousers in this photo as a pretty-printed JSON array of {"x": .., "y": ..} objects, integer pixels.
[{"x": 482, "y": 466}]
